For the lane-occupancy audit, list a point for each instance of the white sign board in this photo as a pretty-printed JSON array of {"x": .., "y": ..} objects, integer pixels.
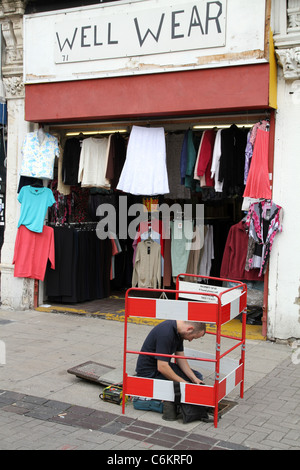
[
  {"x": 142, "y": 36},
  {"x": 206, "y": 289},
  {"x": 156, "y": 30}
]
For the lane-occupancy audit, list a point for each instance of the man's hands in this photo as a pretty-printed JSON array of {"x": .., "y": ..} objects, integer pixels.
[
  {"x": 198, "y": 381},
  {"x": 167, "y": 371},
  {"x": 184, "y": 366},
  {"x": 164, "y": 368}
]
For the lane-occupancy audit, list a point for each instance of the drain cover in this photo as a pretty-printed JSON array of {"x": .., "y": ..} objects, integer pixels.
[{"x": 223, "y": 407}]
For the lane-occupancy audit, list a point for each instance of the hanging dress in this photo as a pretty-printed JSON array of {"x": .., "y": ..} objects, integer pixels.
[
  {"x": 258, "y": 183},
  {"x": 264, "y": 221},
  {"x": 205, "y": 153}
]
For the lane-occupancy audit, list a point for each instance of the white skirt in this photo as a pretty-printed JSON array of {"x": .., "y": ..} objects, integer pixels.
[{"x": 145, "y": 169}]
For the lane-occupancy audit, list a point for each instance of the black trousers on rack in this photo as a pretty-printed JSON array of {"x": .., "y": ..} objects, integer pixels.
[
  {"x": 59, "y": 280},
  {"x": 82, "y": 266}
]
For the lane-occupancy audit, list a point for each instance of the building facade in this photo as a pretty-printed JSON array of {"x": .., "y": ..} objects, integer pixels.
[{"x": 149, "y": 87}]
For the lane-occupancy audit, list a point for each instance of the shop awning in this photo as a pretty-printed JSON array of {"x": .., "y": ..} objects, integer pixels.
[{"x": 212, "y": 90}]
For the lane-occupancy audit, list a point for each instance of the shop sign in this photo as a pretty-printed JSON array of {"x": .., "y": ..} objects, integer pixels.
[
  {"x": 156, "y": 30},
  {"x": 142, "y": 36}
]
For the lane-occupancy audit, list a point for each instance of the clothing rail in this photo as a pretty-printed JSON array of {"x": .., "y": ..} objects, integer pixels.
[{"x": 66, "y": 224}]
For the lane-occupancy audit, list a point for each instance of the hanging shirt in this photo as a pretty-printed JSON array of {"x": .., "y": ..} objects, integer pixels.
[
  {"x": 190, "y": 163},
  {"x": 195, "y": 254},
  {"x": 234, "y": 256},
  {"x": 183, "y": 157},
  {"x": 205, "y": 154},
  {"x": 232, "y": 160},
  {"x": 248, "y": 156},
  {"x": 147, "y": 266},
  {"x": 70, "y": 161},
  {"x": 34, "y": 205},
  {"x": 115, "y": 250},
  {"x": 181, "y": 239},
  {"x": 215, "y": 164},
  {"x": 38, "y": 158},
  {"x": 155, "y": 229},
  {"x": 93, "y": 162},
  {"x": 174, "y": 144},
  {"x": 62, "y": 188},
  {"x": 207, "y": 253},
  {"x": 32, "y": 251},
  {"x": 116, "y": 159}
]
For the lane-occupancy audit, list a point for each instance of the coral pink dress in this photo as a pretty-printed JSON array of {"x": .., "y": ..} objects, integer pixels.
[{"x": 258, "y": 183}]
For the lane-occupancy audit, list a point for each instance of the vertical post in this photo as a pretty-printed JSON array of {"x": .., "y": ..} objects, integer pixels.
[
  {"x": 12, "y": 75},
  {"x": 271, "y": 170},
  {"x": 265, "y": 303},
  {"x": 217, "y": 373},
  {"x": 124, "y": 355},
  {"x": 177, "y": 288},
  {"x": 243, "y": 351},
  {"x": 36, "y": 293}
]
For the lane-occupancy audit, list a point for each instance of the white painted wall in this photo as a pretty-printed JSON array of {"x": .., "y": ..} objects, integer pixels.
[
  {"x": 16, "y": 293},
  {"x": 284, "y": 274}
]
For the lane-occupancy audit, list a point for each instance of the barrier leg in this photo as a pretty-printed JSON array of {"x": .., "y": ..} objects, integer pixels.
[
  {"x": 124, "y": 393},
  {"x": 243, "y": 352},
  {"x": 217, "y": 374},
  {"x": 216, "y": 416},
  {"x": 124, "y": 359}
]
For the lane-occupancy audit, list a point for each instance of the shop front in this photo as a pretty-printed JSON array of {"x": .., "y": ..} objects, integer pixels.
[{"x": 178, "y": 112}]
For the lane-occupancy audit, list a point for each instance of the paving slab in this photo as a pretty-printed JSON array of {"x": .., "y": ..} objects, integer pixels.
[{"x": 37, "y": 391}]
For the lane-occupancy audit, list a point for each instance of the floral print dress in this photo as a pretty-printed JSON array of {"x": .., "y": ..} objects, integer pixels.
[{"x": 263, "y": 221}]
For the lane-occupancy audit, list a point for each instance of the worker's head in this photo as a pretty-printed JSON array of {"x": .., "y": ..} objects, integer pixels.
[{"x": 190, "y": 330}]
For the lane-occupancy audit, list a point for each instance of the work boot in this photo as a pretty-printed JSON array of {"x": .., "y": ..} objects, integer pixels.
[{"x": 169, "y": 411}]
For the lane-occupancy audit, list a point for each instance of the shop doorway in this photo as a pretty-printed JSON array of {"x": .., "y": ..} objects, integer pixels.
[{"x": 73, "y": 213}]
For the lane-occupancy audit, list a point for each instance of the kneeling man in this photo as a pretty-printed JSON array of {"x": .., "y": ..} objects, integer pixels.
[{"x": 167, "y": 338}]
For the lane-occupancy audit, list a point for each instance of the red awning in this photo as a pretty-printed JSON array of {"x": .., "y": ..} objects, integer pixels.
[{"x": 225, "y": 89}]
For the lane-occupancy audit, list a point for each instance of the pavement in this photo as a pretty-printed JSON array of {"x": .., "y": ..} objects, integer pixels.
[{"x": 43, "y": 407}]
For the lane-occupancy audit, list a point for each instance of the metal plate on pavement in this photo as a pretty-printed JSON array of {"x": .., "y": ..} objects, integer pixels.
[{"x": 92, "y": 371}]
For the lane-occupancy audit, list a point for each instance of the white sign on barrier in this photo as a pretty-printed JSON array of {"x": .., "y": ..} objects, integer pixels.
[{"x": 208, "y": 289}]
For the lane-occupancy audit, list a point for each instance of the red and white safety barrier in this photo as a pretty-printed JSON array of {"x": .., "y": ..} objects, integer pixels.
[
  {"x": 186, "y": 310},
  {"x": 194, "y": 302},
  {"x": 228, "y": 383},
  {"x": 190, "y": 393},
  {"x": 171, "y": 309},
  {"x": 163, "y": 390}
]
